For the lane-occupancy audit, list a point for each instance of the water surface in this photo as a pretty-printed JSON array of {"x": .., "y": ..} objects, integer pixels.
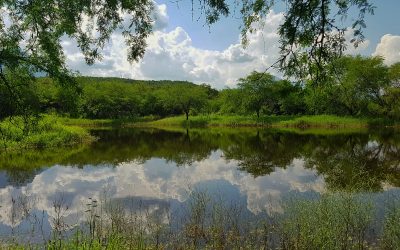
[{"x": 158, "y": 169}]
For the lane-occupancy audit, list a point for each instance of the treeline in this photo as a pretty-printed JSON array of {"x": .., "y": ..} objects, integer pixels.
[
  {"x": 115, "y": 98},
  {"x": 357, "y": 86}
]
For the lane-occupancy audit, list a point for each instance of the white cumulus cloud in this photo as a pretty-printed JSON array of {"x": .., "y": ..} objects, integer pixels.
[
  {"x": 389, "y": 48},
  {"x": 171, "y": 55},
  {"x": 156, "y": 179}
]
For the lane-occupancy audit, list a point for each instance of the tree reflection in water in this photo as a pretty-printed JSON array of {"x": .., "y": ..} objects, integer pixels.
[{"x": 347, "y": 161}]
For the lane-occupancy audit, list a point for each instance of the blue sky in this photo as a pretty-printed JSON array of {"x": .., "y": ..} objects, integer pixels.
[
  {"x": 184, "y": 48},
  {"x": 386, "y": 20}
]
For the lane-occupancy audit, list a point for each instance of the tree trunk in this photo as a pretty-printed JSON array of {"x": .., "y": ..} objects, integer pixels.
[
  {"x": 187, "y": 115},
  {"x": 258, "y": 113}
]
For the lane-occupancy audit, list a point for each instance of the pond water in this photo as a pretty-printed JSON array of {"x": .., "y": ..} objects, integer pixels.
[{"x": 160, "y": 168}]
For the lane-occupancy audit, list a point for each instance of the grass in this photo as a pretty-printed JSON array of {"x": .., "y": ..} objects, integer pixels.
[
  {"x": 45, "y": 132},
  {"x": 331, "y": 221},
  {"x": 324, "y": 121},
  {"x": 219, "y": 120},
  {"x": 297, "y": 122},
  {"x": 336, "y": 221},
  {"x": 99, "y": 123},
  {"x": 391, "y": 230},
  {"x": 51, "y": 131},
  {"x": 293, "y": 123}
]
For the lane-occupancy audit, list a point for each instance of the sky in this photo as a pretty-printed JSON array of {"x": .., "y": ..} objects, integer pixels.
[{"x": 182, "y": 47}]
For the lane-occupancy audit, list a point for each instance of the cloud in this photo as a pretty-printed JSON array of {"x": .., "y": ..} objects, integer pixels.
[
  {"x": 350, "y": 49},
  {"x": 160, "y": 17},
  {"x": 389, "y": 49},
  {"x": 171, "y": 55},
  {"x": 155, "y": 180}
]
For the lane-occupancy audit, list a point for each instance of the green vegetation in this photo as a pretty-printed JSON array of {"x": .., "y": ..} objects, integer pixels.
[
  {"x": 361, "y": 92},
  {"x": 347, "y": 160},
  {"x": 325, "y": 121},
  {"x": 333, "y": 221},
  {"x": 344, "y": 92},
  {"x": 362, "y": 88},
  {"x": 280, "y": 122},
  {"x": 43, "y": 133},
  {"x": 214, "y": 120}
]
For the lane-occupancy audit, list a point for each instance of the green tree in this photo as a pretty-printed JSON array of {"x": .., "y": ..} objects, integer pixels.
[
  {"x": 289, "y": 98},
  {"x": 394, "y": 74},
  {"x": 31, "y": 33},
  {"x": 355, "y": 86},
  {"x": 391, "y": 94},
  {"x": 257, "y": 91},
  {"x": 230, "y": 101},
  {"x": 360, "y": 83},
  {"x": 312, "y": 34},
  {"x": 185, "y": 97}
]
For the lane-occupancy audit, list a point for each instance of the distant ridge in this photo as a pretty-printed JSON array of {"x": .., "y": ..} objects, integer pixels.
[{"x": 96, "y": 79}]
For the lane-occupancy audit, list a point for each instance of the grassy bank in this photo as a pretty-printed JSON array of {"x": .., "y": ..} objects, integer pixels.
[
  {"x": 52, "y": 131},
  {"x": 302, "y": 122},
  {"x": 44, "y": 132},
  {"x": 99, "y": 123},
  {"x": 333, "y": 221}
]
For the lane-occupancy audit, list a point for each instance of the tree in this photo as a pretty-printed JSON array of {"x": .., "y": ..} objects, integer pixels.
[
  {"x": 186, "y": 97},
  {"x": 257, "y": 91},
  {"x": 31, "y": 33},
  {"x": 394, "y": 75},
  {"x": 289, "y": 98},
  {"x": 391, "y": 95},
  {"x": 360, "y": 82},
  {"x": 355, "y": 86},
  {"x": 312, "y": 34},
  {"x": 230, "y": 101}
]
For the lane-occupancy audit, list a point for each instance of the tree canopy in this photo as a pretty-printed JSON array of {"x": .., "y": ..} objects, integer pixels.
[
  {"x": 312, "y": 34},
  {"x": 31, "y": 35},
  {"x": 31, "y": 31},
  {"x": 358, "y": 86}
]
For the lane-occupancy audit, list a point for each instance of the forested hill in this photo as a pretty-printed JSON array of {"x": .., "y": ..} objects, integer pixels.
[
  {"x": 93, "y": 79},
  {"x": 360, "y": 87},
  {"x": 114, "y": 98}
]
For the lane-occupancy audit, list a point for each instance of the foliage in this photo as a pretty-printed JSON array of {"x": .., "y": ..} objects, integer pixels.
[
  {"x": 30, "y": 44},
  {"x": 184, "y": 98},
  {"x": 31, "y": 35},
  {"x": 332, "y": 221},
  {"x": 332, "y": 154},
  {"x": 336, "y": 221},
  {"x": 357, "y": 86},
  {"x": 257, "y": 91},
  {"x": 46, "y": 132},
  {"x": 312, "y": 34},
  {"x": 391, "y": 230}
]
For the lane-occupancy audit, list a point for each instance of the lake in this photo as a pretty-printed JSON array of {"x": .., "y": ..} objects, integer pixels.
[{"x": 157, "y": 171}]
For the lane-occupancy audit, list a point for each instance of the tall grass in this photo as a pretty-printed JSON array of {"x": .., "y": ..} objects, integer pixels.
[
  {"x": 391, "y": 229},
  {"x": 324, "y": 121},
  {"x": 215, "y": 120},
  {"x": 97, "y": 123},
  {"x": 302, "y": 122},
  {"x": 332, "y": 221},
  {"x": 339, "y": 221},
  {"x": 44, "y": 132}
]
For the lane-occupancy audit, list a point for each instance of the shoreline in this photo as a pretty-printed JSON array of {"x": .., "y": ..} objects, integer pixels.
[{"x": 58, "y": 131}]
